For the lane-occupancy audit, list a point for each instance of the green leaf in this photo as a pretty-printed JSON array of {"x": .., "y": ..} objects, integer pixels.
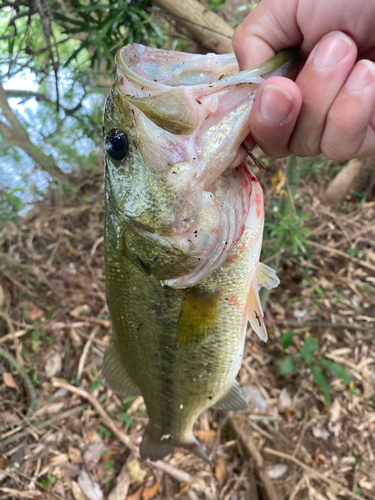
[
  {"x": 319, "y": 291},
  {"x": 308, "y": 349},
  {"x": 336, "y": 369},
  {"x": 287, "y": 339},
  {"x": 321, "y": 381},
  {"x": 287, "y": 366}
]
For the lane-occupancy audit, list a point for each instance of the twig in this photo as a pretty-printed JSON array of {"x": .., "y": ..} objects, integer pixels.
[
  {"x": 85, "y": 351},
  {"x": 104, "y": 415},
  {"x": 46, "y": 423},
  {"x": 179, "y": 475},
  {"x": 95, "y": 341},
  {"x": 360, "y": 262},
  {"x": 325, "y": 324},
  {"x": 318, "y": 475},
  {"x": 9, "y": 336},
  {"x": 14, "y": 337},
  {"x": 33, "y": 400},
  {"x": 255, "y": 453}
]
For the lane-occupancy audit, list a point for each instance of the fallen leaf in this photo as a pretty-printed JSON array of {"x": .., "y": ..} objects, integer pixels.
[
  {"x": 3, "y": 462},
  {"x": 137, "y": 474},
  {"x": 8, "y": 419},
  {"x": 75, "y": 455},
  {"x": 285, "y": 401},
  {"x": 54, "y": 408},
  {"x": 89, "y": 487},
  {"x": 30, "y": 311},
  {"x": 320, "y": 433},
  {"x": 136, "y": 495},
  {"x": 53, "y": 365},
  {"x": 151, "y": 491},
  {"x": 93, "y": 454},
  {"x": 81, "y": 311},
  {"x": 221, "y": 471},
  {"x": 9, "y": 381},
  {"x": 276, "y": 470},
  {"x": 77, "y": 492},
  {"x": 205, "y": 436}
]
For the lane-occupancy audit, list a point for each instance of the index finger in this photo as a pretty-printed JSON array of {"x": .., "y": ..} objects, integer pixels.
[{"x": 270, "y": 27}]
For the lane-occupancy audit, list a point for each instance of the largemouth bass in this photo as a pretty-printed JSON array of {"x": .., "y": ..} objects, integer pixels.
[{"x": 183, "y": 235}]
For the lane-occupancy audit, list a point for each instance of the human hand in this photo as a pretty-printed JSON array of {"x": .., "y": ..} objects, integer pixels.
[{"x": 330, "y": 108}]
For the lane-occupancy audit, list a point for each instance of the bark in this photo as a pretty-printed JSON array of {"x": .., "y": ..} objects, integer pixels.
[
  {"x": 204, "y": 26},
  {"x": 351, "y": 178},
  {"x": 15, "y": 134}
]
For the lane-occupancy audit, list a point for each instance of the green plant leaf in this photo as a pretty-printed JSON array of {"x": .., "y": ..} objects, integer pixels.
[
  {"x": 321, "y": 381},
  {"x": 287, "y": 366},
  {"x": 309, "y": 347},
  {"x": 336, "y": 369},
  {"x": 287, "y": 339}
]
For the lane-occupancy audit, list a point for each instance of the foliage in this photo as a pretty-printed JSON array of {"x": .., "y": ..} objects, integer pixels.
[{"x": 317, "y": 367}]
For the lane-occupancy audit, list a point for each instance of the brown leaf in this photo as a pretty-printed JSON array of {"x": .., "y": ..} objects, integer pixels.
[
  {"x": 89, "y": 487},
  {"x": 9, "y": 381},
  {"x": 53, "y": 365},
  {"x": 221, "y": 471},
  {"x": 136, "y": 495},
  {"x": 30, "y": 311},
  {"x": 3, "y": 462},
  {"x": 151, "y": 491},
  {"x": 80, "y": 312},
  {"x": 75, "y": 455}
]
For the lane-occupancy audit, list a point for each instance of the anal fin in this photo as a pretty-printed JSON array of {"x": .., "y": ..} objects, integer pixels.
[
  {"x": 116, "y": 375},
  {"x": 233, "y": 400}
]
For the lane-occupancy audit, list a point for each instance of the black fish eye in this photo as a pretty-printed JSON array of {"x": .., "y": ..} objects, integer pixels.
[{"x": 116, "y": 144}]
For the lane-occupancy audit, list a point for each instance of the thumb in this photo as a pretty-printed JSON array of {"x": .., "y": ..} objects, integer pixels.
[{"x": 270, "y": 27}]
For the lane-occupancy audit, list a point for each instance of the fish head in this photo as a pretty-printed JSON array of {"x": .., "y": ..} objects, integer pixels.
[{"x": 173, "y": 124}]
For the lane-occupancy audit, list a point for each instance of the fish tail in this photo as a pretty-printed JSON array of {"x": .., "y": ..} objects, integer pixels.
[{"x": 156, "y": 448}]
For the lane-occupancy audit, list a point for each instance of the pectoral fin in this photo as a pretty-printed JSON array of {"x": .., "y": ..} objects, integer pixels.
[
  {"x": 116, "y": 375},
  {"x": 232, "y": 400}
]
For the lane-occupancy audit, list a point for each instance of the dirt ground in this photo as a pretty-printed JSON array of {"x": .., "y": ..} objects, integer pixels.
[{"x": 65, "y": 435}]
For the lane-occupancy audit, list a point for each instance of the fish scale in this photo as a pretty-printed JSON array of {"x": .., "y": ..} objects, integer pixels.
[{"x": 183, "y": 235}]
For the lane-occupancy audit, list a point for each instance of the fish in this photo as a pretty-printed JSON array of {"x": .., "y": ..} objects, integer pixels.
[{"x": 184, "y": 220}]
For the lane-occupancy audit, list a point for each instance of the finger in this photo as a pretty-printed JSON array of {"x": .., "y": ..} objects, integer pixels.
[
  {"x": 274, "y": 115},
  {"x": 269, "y": 28},
  {"x": 349, "y": 132},
  {"x": 320, "y": 81}
]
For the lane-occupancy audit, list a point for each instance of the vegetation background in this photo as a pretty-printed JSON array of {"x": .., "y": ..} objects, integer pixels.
[{"x": 63, "y": 434}]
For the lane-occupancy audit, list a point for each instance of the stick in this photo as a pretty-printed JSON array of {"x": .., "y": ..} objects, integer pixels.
[
  {"x": 326, "y": 324},
  {"x": 14, "y": 337},
  {"x": 85, "y": 351},
  {"x": 313, "y": 472},
  {"x": 104, "y": 415},
  {"x": 33, "y": 400},
  {"x": 360, "y": 262},
  {"x": 180, "y": 475},
  {"x": 255, "y": 453}
]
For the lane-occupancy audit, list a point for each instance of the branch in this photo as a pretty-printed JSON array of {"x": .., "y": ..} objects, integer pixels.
[
  {"x": 16, "y": 135},
  {"x": 205, "y": 26}
]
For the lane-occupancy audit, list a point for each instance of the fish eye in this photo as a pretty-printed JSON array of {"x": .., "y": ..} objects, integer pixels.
[{"x": 116, "y": 144}]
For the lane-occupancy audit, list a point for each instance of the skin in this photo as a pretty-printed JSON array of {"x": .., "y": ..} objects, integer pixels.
[{"x": 330, "y": 108}]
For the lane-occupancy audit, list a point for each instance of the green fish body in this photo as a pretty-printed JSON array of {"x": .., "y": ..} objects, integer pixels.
[{"x": 183, "y": 235}]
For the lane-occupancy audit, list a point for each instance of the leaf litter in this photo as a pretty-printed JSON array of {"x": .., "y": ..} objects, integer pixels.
[{"x": 54, "y": 296}]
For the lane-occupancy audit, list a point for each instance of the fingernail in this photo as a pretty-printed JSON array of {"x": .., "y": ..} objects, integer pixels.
[
  {"x": 331, "y": 49},
  {"x": 363, "y": 74},
  {"x": 275, "y": 103}
]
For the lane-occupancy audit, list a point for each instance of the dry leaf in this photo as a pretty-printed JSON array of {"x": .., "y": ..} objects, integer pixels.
[
  {"x": 30, "y": 311},
  {"x": 151, "y": 491},
  {"x": 205, "y": 436},
  {"x": 53, "y": 365},
  {"x": 276, "y": 470},
  {"x": 3, "y": 462},
  {"x": 9, "y": 381},
  {"x": 8, "y": 419},
  {"x": 80, "y": 312},
  {"x": 136, "y": 495},
  {"x": 221, "y": 471},
  {"x": 137, "y": 474},
  {"x": 75, "y": 455},
  {"x": 77, "y": 492},
  {"x": 320, "y": 433},
  {"x": 93, "y": 454},
  {"x": 89, "y": 487},
  {"x": 285, "y": 401}
]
